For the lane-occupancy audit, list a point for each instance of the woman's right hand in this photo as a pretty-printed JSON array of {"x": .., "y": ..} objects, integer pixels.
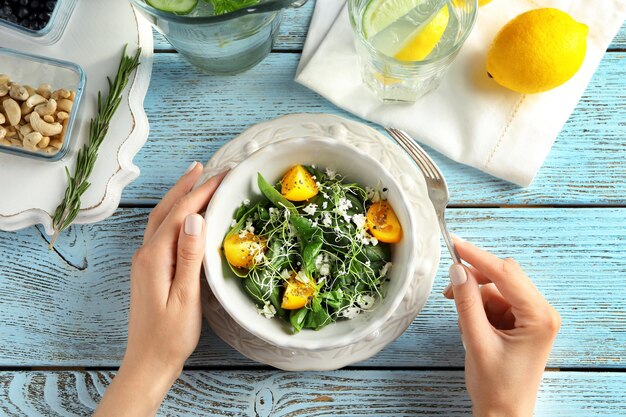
[{"x": 507, "y": 328}]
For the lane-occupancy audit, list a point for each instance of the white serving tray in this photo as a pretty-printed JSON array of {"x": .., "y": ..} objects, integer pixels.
[{"x": 94, "y": 38}]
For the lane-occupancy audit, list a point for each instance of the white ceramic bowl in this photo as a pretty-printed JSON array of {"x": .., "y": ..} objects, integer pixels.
[{"x": 272, "y": 161}]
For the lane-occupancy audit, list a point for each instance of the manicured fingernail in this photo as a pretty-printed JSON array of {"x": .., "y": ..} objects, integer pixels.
[
  {"x": 457, "y": 237},
  {"x": 192, "y": 166},
  {"x": 447, "y": 292},
  {"x": 193, "y": 225},
  {"x": 457, "y": 274}
]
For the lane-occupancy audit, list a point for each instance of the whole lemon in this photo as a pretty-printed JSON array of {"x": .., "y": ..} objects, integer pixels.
[{"x": 537, "y": 51}]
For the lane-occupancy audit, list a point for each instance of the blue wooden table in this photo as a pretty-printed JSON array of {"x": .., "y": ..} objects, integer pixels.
[{"x": 63, "y": 313}]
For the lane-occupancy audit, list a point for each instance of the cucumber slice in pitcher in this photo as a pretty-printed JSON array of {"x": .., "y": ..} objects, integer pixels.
[{"x": 173, "y": 6}]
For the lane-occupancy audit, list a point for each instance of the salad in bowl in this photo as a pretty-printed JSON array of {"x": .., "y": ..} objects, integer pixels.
[
  {"x": 311, "y": 244},
  {"x": 314, "y": 248}
]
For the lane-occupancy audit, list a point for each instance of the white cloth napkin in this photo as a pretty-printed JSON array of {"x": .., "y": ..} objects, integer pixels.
[{"x": 469, "y": 118}]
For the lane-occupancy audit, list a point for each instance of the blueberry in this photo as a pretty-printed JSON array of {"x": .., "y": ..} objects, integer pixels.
[{"x": 32, "y": 14}]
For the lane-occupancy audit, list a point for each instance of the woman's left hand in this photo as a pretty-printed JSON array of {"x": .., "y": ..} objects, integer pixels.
[{"x": 165, "y": 309}]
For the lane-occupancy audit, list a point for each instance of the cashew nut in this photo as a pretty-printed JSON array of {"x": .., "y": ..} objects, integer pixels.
[
  {"x": 46, "y": 129},
  {"x": 4, "y": 90},
  {"x": 35, "y": 100},
  {"x": 3, "y": 132},
  {"x": 56, "y": 143},
  {"x": 48, "y": 119},
  {"x": 2, "y": 119},
  {"x": 31, "y": 90},
  {"x": 26, "y": 129},
  {"x": 18, "y": 92},
  {"x": 59, "y": 94},
  {"x": 13, "y": 111},
  {"x": 32, "y": 101},
  {"x": 4, "y": 79},
  {"x": 32, "y": 140},
  {"x": 48, "y": 107},
  {"x": 65, "y": 105},
  {"x": 5, "y": 142},
  {"x": 11, "y": 131},
  {"x": 25, "y": 109},
  {"x": 44, "y": 90},
  {"x": 44, "y": 142},
  {"x": 62, "y": 116}
]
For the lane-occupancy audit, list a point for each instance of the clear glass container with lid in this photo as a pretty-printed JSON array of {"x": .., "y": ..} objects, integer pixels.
[{"x": 56, "y": 12}]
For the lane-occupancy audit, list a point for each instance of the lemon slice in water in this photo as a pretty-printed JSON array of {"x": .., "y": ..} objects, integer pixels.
[
  {"x": 426, "y": 39},
  {"x": 379, "y": 14}
]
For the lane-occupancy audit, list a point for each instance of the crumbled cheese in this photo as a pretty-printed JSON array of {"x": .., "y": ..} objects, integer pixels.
[
  {"x": 274, "y": 213},
  {"x": 326, "y": 220},
  {"x": 259, "y": 257},
  {"x": 376, "y": 194},
  {"x": 310, "y": 209},
  {"x": 268, "y": 310},
  {"x": 359, "y": 220},
  {"x": 301, "y": 276},
  {"x": 246, "y": 202},
  {"x": 249, "y": 227},
  {"x": 331, "y": 173},
  {"x": 322, "y": 264},
  {"x": 366, "y": 302},
  {"x": 343, "y": 205},
  {"x": 325, "y": 205},
  {"x": 350, "y": 312},
  {"x": 285, "y": 274},
  {"x": 233, "y": 223},
  {"x": 385, "y": 269}
]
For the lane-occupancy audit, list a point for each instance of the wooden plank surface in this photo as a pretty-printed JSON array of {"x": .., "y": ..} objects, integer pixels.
[
  {"x": 585, "y": 165},
  {"x": 278, "y": 394},
  {"x": 69, "y": 307},
  {"x": 295, "y": 25}
]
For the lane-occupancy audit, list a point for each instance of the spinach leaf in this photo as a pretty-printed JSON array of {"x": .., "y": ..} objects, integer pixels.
[
  {"x": 317, "y": 316},
  {"x": 255, "y": 291},
  {"x": 274, "y": 196},
  {"x": 296, "y": 318},
  {"x": 378, "y": 253}
]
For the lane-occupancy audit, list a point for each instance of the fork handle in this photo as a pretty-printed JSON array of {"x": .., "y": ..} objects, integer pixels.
[{"x": 446, "y": 237}]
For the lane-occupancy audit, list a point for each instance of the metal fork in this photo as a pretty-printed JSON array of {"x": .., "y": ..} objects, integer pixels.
[{"x": 437, "y": 187}]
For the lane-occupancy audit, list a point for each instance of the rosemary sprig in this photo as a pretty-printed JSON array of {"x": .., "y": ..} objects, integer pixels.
[{"x": 67, "y": 211}]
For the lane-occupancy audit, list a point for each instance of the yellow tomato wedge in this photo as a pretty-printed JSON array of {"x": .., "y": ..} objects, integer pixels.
[
  {"x": 383, "y": 223},
  {"x": 297, "y": 294},
  {"x": 298, "y": 184},
  {"x": 241, "y": 251}
]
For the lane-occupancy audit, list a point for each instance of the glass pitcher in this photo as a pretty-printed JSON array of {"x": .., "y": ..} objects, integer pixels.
[{"x": 221, "y": 44}]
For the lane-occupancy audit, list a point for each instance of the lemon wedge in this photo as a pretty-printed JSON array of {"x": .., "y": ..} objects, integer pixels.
[{"x": 423, "y": 43}]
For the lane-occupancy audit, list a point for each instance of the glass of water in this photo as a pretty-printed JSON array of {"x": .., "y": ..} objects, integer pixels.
[
  {"x": 224, "y": 44},
  {"x": 405, "y": 47}
]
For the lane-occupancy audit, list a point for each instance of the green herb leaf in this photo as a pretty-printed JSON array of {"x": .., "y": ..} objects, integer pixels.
[
  {"x": 67, "y": 211},
  {"x": 227, "y": 6}
]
